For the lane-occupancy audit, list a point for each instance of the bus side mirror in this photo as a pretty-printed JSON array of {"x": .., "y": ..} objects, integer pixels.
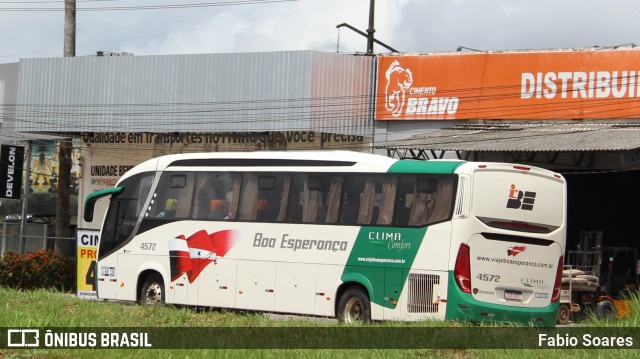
[
  {"x": 90, "y": 202},
  {"x": 89, "y": 206}
]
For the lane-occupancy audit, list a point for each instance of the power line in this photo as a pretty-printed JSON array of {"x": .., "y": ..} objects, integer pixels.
[
  {"x": 150, "y": 7},
  {"x": 337, "y": 103},
  {"x": 185, "y": 30}
]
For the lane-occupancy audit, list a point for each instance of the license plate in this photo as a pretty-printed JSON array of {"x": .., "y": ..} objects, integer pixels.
[{"x": 512, "y": 295}]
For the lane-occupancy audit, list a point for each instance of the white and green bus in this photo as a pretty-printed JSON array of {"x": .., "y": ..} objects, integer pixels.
[{"x": 337, "y": 234}]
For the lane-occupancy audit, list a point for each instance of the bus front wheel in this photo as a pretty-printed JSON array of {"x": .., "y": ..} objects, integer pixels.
[
  {"x": 354, "y": 306},
  {"x": 152, "y": 291}
]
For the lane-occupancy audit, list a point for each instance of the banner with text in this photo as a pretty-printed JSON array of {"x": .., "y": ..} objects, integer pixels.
[
  {"x": 42, "y": 177},
  {"x": 595, "y": 84},
  {"x": 11, "y": 166},
  {"x": 87, "y": 247}
]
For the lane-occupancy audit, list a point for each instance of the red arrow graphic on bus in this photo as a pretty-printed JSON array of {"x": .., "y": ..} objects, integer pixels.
[
  {"x": 191, "y": 255},
  {"x": 515, "y": 250}
]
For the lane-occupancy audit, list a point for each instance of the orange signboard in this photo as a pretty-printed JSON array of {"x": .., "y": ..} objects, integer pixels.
[{"x": 595, "y": 84}]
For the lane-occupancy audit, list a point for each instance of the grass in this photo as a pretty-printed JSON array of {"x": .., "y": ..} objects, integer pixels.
[{"x": 47, "y": 309}]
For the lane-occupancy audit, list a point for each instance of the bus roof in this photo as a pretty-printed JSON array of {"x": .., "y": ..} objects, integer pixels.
[
  {"x": 298, "y": 160},
  {"x": 471, "y": 167}
]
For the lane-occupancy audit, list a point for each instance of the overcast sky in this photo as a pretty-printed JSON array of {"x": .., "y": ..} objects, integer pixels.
[{"x": 406, "y": 25}]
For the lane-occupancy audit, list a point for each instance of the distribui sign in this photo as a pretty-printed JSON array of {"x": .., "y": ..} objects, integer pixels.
[{"x": 580, "y": 84}]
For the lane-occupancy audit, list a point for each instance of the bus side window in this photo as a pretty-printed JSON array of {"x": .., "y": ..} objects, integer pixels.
[
  {"x": 350, "y": 207},
  {"x": 306, "y": 198},
  {"x": 172, "y": 198},
  {"x": 205, "y": 192},
  {"x": 170, "y": 207},
  {"x": 268, "y": 199},
  {"x": 218, "y": 209},
  {"x": 387, "y": 200},
  {"x": 233, "y": 195},
  {"x": 406, "y": 189},
  {"x": 217, "y": 196},
  {"x": 313, "y": 208},
  {"x": 249, "y": 198},
  {"x": 296, "y": 200},
  {"x": 265, "y": 197},
  {"x": 284, "y": 198},
  {"x": 424, "y": 200},
  {"x": 442, "y": 200},
  {"x": 351, "y": 199},
  {"x": 273, "y": 197},
  {"x": 332, "y": 196},
  {"x": 369, "y": 199},
  {"x": 315, "y": 198}
]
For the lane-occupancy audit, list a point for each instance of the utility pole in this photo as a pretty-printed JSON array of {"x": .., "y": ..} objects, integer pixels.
[
  {"x": 64, "y": 154},
  {"x": 69, "y": 28},
  {"x": 369, "y": 35},
  {"x": 370, "y": 29}
]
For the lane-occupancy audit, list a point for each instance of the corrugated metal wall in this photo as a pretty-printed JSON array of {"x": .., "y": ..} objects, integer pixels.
[
  {"x": 272, "y": 91},
  {"x": 8, "y": 90}
]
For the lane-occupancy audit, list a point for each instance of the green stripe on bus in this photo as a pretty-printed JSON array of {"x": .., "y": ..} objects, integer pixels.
[
  {"x": 380, "y": 261},
  {"x": 432, "y": 167},
  {"x": 463, "y": 307}
]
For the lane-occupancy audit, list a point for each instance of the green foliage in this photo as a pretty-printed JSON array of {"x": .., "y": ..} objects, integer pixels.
[{"x": 41, "y": 269}]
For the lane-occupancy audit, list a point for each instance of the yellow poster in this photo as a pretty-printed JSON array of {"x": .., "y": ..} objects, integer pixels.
[{"x": 87, "y": 240}]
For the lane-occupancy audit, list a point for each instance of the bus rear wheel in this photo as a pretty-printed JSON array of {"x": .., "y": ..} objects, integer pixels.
[
  {"x": 354, "y": 306},
  {"x": 152, "y": 291}
]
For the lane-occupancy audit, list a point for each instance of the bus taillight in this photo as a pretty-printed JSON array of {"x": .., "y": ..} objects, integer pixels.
[
  {"x": 462, "y": 271},
  {"x": 556, "y": 287}
]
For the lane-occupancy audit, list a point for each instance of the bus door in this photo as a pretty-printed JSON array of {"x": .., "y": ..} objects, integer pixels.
[
  {"x": 117, "y": 276},
  {"x": 117, "y": 228}
]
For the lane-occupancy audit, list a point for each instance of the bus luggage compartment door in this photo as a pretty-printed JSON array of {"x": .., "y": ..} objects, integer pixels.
[{"x": 255, "y": 288}]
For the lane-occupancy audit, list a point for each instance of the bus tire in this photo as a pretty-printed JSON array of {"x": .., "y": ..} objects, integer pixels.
[
  {"x": 605, "y": 310},
  {"x": 354, "y": 306},
  {"x": 152, "y": 290},
  {"x": 564, "y": 313}
]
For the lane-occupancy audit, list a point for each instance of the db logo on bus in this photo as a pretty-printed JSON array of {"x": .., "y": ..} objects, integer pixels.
[{"x": 520, "y": 199}]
